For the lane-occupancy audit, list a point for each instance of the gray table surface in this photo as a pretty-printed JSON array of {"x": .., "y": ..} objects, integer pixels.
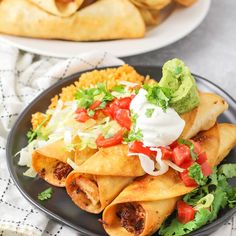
[{"x": 209, "y": 51}]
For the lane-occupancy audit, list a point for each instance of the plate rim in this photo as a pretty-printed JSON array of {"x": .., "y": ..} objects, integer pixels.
[
  {"x": 10, "y": 39},
  {"x": 209, "y": 228}
]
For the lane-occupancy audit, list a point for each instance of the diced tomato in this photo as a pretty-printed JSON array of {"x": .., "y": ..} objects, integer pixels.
[
  {"x": 123, "y": 118},
  {"x": 174, "y": 145},
  {"x": 139, "y": 148},
  {"x": 96, "y": 114},
  {"x": 197, "y": 147},
  {"x": 107, "y": 110},
  {"x": 124, "y": 103},
  {"x": 113, "y": 109},
  {"x": 82, "y": 115},
  {"x": 186, "y": 212},
  {"x": 201, "y": 158},
  {"x": 206, "y": 169},
  {"x": 181, "y": 154},
  {"x": 167, "y": 154},
  {"x": 186, "y": 164},
  {"x": 95, "y": 105},
  {"x": 116, "y": 139},
  {"x": 188, "y": 181}
]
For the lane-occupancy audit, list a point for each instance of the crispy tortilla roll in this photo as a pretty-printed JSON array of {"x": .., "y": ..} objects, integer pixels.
[
  {"x": 113, "y": 161},
  {"x": 156, "y": 17},
  {"x": 93, "y": 193},
  {"x": 151, "y": 4},
  {"x": 94, "y": 184},
  {"x": 61, "y": 8},
  {"x": 143, "y": 206},
  {"x": 204, "y": 116},
  {"x": 102, "y": 20},
  {"x": 186, "y": 3},
  {"x": 50, "y": 162}
]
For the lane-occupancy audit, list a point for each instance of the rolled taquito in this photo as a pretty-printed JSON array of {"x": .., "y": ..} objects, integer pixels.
[
  {"x": 186, "y": 3},
  {"x": 102, "y": 20},
  {"x": 204, "y": 116},
  {"x": 151, "y": 4},
  {"x": 110, "y": 165},
  {"x": 62, "y": 8},
  {"x": 142, "y": 207},
  {"x": 94, "y": 184},
  {"x": 50, "y": 162}
]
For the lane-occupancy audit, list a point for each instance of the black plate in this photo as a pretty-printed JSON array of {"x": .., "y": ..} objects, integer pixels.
[{"x": 60, "y": 207}]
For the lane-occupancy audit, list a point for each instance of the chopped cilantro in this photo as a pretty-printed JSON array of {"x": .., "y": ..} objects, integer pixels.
[
  {"x": 224, "y": 195},
  {"x": 158, "y": 95},
  {"x": 195, "y": 172},
  {"x": 119, "y": 88},
  {"x": 149, "y": 112},
  {"x": 91, "y": 113},
  {"x": 46, "y": 194},
  {"x": 177, "y": 229},
  {"x": 191, "y": 147},
  {"x": 86, "y": 97},
  {"x": 133, "y": 136},
  {"x": 102, "y": 105},
  {"x": 228, "y": 170},
  {"x": 37, "y": 133},
  {"x": 134, "y": 117}
]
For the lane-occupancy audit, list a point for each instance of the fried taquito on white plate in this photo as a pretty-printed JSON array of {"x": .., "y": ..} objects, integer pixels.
[
  {"x": 62, "y": 8},
  {"x": 102, "y": 20},
  {"x": 142, "y": 207}
]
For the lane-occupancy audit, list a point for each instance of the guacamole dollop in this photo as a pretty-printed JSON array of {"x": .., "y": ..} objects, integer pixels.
[{"x": 177, "y": 77}]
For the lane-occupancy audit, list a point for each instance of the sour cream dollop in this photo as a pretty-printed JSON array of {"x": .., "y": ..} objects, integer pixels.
[{"x": 162, "y": 127}]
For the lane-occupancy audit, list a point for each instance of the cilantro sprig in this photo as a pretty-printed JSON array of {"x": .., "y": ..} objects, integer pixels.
[
  {"x": 195, "y": 172},
  {"x": 149, "y": 112},
  {"x": 157, "y": 95},
  {"x": 46, "y": 194},
  {"x": 86, "y": 97},
  {"x": 224, "y": 196},
  {"x": 119, "y": 88},
  {"x": 38, "y": 132},
  {"x": 133, "y": 134}
]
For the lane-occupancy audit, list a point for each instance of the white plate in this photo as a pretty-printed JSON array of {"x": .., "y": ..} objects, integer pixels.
[{"x": 179, "y": 24}]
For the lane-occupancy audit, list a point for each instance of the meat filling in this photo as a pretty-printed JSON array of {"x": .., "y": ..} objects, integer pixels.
[
  {"x": 62, "y": 170},
  {"x": 85, "y": 193},
  {"x": 131, "y": 217}
]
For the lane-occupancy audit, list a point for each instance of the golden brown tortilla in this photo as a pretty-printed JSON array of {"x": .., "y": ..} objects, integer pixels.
[
  {"x": 109, "y": 165},
  {"x": 50, "y": 162},
  {"x": 204, "y": 116},
  {"x": 102, "y": 20},
  {"x": 59, "y": 7},
  {"x": 155, "y": 197}
]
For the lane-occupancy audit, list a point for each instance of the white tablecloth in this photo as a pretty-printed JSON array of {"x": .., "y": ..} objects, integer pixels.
[{"x": 22, "y": 77}]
